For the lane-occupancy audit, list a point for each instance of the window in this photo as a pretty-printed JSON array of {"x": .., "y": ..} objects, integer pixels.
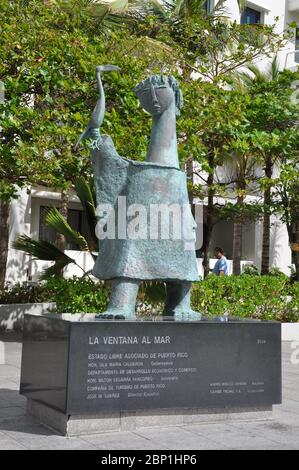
[
  {"x": 76, "y": 219},
  {"x": 297, "y": 46},
  {"x": 250, "y": 16}
]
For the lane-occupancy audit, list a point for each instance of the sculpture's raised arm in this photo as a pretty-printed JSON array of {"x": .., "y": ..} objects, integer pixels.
[{"x": 97, "y": 117}]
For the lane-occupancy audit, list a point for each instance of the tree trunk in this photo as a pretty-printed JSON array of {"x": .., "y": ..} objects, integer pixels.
[
  {"x": 266, "y": 222},
  {"x": 60, "y": 239},
  {"x": 4, "y": 234},
  {"x": 266, "y": 235},
  {"x": 207, "y": 247},
  {"x": 237, "y": 242},
  {"x": 190, "y": 176},
  {"x": 210, "y": 218}
]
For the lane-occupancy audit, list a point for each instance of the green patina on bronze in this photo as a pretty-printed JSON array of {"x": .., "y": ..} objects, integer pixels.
[{"x": 158, "y": 180}]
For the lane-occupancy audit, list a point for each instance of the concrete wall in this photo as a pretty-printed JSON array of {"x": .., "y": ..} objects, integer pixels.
[{"x": 286, "y": 10}]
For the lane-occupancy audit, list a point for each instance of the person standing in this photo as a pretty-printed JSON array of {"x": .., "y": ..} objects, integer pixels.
[{"x": 221, "y": 266}]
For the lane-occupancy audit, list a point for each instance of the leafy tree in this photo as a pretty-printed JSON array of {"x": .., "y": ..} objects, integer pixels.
[
  {"x": 48, "y": 55},
  {"x": 215, "y": 138},
  {"x": 286, "y": 199},
  {"x": 211, "y": 49},
  {"x": 241, "y": 176},
  {"x": 49, "y": 50},
  {"x": 272, "y": 118},
  {"x": 206, "y": 44}
]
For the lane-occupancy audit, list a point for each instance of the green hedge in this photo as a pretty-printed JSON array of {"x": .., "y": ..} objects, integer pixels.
[
  {"x": 245, "y": 296},
  {"x": 78, "y": 295},
  {"x": 75, "y": 295},
  {"x": 248, "y": 296}
]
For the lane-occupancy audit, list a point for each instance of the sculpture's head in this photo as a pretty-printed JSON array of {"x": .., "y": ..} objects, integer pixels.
[{"x": 158, "y": 92}]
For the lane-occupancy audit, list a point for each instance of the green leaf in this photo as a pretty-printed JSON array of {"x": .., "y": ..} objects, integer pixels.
[
  {"x": 86, "y": 194},
  {"x": 40, "y": 249},
  {"x": 56, "y": 221}
]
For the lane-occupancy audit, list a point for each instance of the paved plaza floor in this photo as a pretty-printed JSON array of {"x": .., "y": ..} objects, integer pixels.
[{"x": 18, "y": 431}]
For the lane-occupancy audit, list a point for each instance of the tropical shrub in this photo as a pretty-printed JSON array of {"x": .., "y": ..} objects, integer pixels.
[
  {"x": 24, "y": 294},
  {"x": 250, "y": 269},
  {"x": 76, "y": 295},
  {"x": 248, "y": 296}
]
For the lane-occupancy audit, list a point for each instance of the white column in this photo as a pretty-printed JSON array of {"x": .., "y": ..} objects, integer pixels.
[{"x": 19, "y": 223}]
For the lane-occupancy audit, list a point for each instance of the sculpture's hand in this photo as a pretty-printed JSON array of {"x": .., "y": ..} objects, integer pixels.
[
  {"x": 99, "y": 110},
  {"x": 98, "y": 113}
]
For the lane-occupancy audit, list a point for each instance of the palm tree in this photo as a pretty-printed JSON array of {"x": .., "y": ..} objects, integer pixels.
[{"x": 43, "y": 250}]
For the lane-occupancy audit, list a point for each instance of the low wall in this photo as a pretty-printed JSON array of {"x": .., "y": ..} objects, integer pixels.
[
  {"x": 12, "y": 315},
  {"x": 290, "y": 331}
]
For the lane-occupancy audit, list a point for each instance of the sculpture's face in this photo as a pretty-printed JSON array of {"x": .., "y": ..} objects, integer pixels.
[{"x": 156, "y": 99}]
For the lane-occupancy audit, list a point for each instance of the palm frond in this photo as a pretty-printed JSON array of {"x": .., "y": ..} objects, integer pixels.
[
  {"x": 275, "y": 68},
  {"x": 55, "y": 270},
  {"x": 258, "y": 75},
  {"x": 56, "y": 221},
  {"x": 188, "y": 8},
  {"x": 116, "y": 5},
  {"x": 254, "y": 75},
  {"x": 161, "y": 11},
  {"x": 86, "y": 194},
  {"x": 109, "y": 13},
  {"x": 40, "y": 249}
]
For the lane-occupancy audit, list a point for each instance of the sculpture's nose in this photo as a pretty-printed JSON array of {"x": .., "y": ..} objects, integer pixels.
[{"x": 156, "y": 105}]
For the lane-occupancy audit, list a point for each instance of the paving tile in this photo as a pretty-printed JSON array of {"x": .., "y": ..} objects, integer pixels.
[
  {"x": 178, "y": 438},
  {"x": 51, "y": 442},
  {"x": 288, "y": 405},
  {"x": 20, "y": 424},
  {"x": 281, "y": 433},
  {"x": 261, "y": 444},
  {"x": 291, "y": 395},
  {"x": 8, "y": 443},
  {"x": 121, "y": 441},
  {"x": 233, "y": 438},
  {"x": 287, "y": 417}
]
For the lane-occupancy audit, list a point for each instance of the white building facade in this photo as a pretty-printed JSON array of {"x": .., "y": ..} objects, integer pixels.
[
  {"x": 26, "y": 214},
  {"x": 268, "y": 12}
]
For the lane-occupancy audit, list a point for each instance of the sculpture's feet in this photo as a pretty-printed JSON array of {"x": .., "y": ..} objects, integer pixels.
[
  {"x": 187, "y": 315},
  {"x": 116, "y": 314}
]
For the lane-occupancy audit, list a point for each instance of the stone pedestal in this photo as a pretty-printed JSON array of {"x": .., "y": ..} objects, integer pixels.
[{"x": 99, "y": 376}]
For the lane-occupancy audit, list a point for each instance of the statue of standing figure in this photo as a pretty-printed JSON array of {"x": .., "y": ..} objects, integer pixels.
[{"x": 155, "y": 183}]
